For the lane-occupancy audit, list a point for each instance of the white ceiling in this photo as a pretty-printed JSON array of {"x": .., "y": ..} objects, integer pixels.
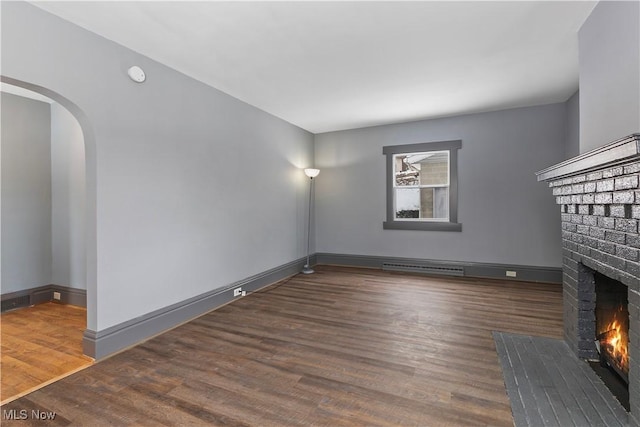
[{"x": 328, "y": 66}]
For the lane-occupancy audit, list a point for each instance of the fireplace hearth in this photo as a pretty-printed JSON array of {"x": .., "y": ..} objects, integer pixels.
[{"x": 599, "y": 197}]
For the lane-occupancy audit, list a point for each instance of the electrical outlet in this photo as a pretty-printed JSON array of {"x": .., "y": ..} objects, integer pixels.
[
  {"x": 56, "y": 296},
  {"x": 238, "y": 292},
  {"x": 511, "y": 273}
]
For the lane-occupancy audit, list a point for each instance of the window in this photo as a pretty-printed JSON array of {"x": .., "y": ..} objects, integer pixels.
[{"x": 422, "y": 186}]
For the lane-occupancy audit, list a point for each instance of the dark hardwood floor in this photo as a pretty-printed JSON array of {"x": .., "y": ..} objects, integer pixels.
[{"x": 342, "y": 347}]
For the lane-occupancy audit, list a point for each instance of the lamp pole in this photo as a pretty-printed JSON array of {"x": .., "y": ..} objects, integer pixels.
[{"x": 311, "y": 173}]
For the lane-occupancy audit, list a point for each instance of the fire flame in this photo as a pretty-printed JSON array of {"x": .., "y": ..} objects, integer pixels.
[{"x": 616, "y": 343}]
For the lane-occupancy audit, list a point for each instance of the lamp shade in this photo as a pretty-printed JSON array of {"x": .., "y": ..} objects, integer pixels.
[{"x": 311, "y": 173}]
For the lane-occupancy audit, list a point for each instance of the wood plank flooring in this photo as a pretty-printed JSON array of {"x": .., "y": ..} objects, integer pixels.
[
  {"x": 341, "y": 347},
  {"x": 40, "y": 344}
]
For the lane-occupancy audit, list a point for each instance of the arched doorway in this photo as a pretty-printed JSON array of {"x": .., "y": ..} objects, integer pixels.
[{"x": 82, "y": 267}]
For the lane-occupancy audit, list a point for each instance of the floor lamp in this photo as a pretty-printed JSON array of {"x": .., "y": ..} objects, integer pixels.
[{"x": 311, "y": 173}]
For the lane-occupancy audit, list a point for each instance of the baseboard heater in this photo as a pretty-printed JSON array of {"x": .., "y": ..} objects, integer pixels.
[
  {"x": 446, "y": 270},
  {"x": 16, "y": 302}
]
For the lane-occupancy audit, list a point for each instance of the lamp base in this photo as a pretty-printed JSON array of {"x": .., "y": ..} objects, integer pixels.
[{"x": 307, "y": 270}]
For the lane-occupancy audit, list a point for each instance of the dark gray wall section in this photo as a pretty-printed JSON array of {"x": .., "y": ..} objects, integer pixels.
[
  {"x": 26, "y": 193},
  {"x": 189, "y": 189},
  {"x": 609, "y": 69},
  {"x": 508, "y": 217},
  {"x": 572, "y": 138}
]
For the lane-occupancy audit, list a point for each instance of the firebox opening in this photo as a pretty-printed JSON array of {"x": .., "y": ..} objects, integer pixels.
[{"x": 612, "y": 333}]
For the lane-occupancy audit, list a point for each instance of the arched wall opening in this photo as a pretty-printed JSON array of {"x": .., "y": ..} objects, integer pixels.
[{"x": 90, "y": 198}]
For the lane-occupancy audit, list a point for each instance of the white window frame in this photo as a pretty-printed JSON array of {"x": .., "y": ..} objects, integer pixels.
[{"x": 428, "y": 224}]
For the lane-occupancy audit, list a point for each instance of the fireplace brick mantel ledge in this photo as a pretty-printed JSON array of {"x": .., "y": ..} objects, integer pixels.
[
  {"x": 599, "y": 197},
  {"x": 614, "y": 153}
]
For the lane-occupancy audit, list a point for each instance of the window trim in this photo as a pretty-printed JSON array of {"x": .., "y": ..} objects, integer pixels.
[{"x": 452, "y": 225}]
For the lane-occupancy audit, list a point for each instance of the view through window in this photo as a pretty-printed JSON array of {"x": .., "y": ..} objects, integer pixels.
[{"x": 422, "y": 186}]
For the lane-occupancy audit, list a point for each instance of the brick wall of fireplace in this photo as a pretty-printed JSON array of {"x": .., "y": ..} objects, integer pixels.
[{"x": 599, "y": 197}]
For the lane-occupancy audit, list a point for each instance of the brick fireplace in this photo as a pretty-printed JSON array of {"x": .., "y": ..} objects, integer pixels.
[{"x": 599, "y": 197}]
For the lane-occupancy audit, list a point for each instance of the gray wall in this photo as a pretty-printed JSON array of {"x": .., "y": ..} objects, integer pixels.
[
  {"x": 67, "y": 200},
  {"x": 188, "y": 189},
  {"x": 507, "y": 216},
  {"x": 609, "y": 43},
  {"x": 25, "y": 193},
  {"x": 572, "y": 137}
]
